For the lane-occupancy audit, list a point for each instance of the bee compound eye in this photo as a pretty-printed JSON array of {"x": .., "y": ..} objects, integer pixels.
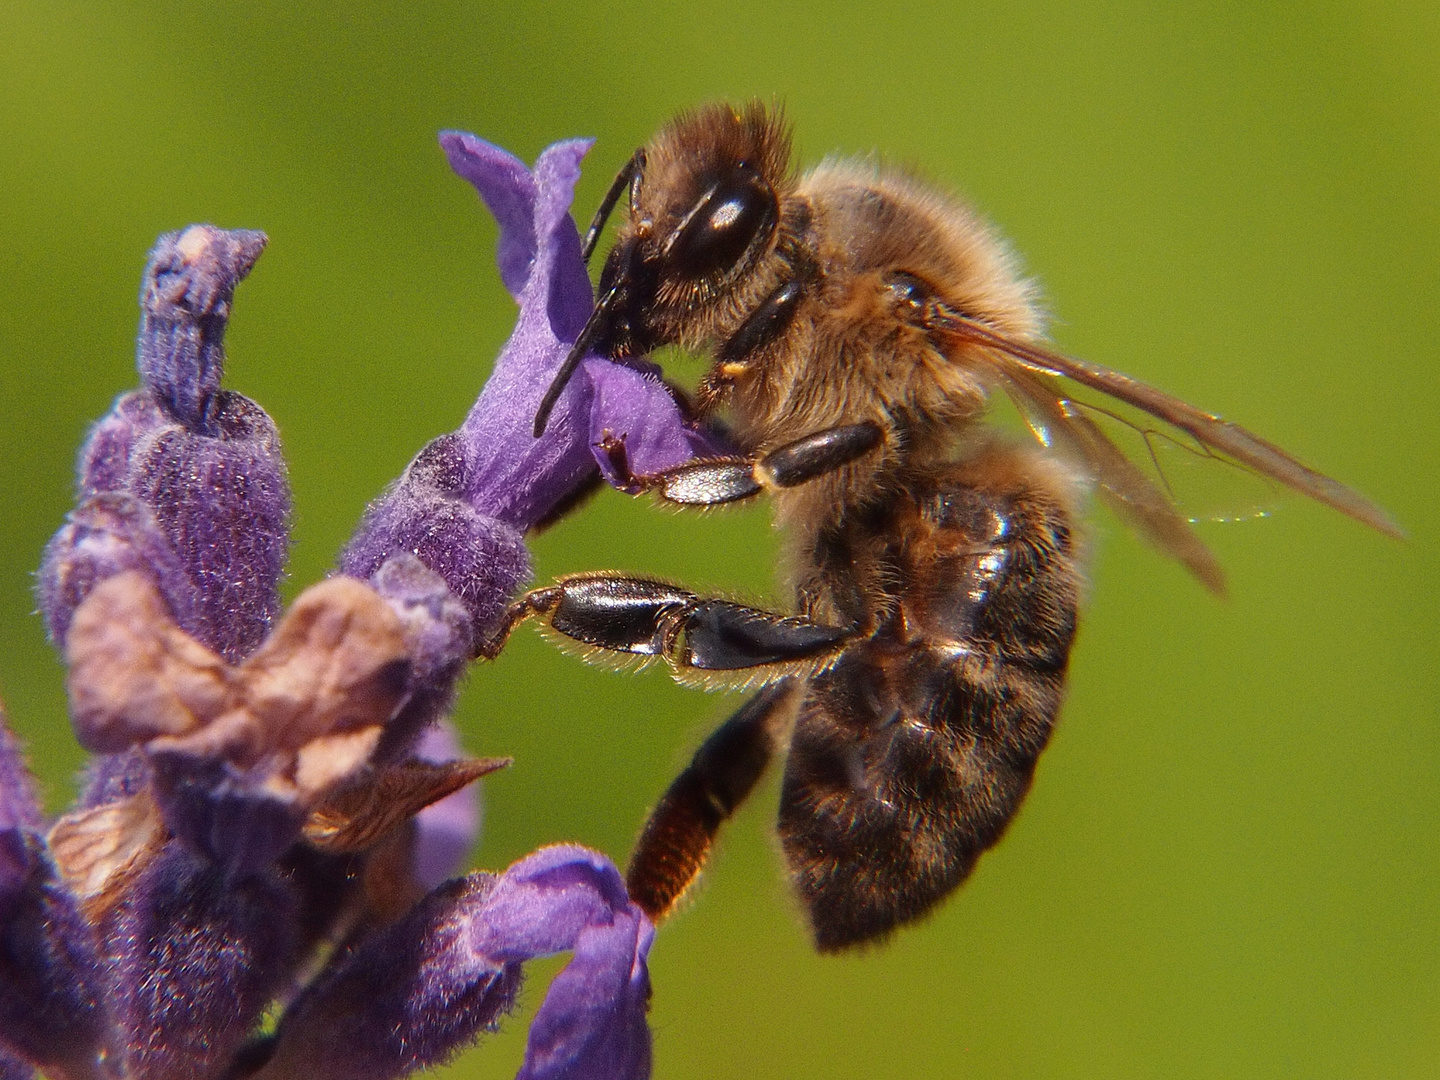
[
  {"x": 907, "y": 290},
  {"x": 729, "y": 218}
]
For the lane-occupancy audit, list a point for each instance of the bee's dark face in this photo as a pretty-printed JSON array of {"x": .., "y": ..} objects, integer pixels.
[{"x": 678, "y": 254}]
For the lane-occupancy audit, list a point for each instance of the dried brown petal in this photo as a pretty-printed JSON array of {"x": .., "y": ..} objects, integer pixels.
[
  {"x": 134, "y": 674},
  {"x": 325, "y": 761},
  {"x": 97, "y": 850},
  {"x": 337, "y": 661},
  {"x": 359, "y": 814}
]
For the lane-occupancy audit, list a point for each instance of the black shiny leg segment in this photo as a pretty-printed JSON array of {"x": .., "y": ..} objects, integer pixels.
[
  {"x": 651, "y": 618},
  {"x": 676, "y": 841},
  {"x": 725, "y": 480}
]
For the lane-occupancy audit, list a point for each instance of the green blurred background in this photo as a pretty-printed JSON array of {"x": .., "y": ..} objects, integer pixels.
[{"x": 1228, "y": 867}]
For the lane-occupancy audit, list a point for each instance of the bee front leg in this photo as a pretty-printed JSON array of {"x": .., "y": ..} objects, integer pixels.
[
  {"x": 714, "y": 481},
  {"x": 675, "y": 843}
]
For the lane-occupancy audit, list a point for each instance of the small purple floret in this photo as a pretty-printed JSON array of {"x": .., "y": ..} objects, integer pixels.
[
  {"x": 185, "y": 307},
  {"x": 455, "y": 960},
  {"x": 204, "y": 462}
]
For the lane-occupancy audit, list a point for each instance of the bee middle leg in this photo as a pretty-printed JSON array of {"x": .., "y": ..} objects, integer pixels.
[
  {"x": 675, "y": 843},
  {"x": 723, "y": 480}
]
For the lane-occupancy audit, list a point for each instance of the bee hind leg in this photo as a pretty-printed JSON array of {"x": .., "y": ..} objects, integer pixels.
[{"x": 679, "y": 833}]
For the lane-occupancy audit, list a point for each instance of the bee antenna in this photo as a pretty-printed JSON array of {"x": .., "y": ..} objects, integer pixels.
[
  {"x": 587, "y": 337},
  {"x": 628, "y": 176}
]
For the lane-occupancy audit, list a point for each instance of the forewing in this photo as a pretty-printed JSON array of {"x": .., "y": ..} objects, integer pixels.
[
  {"x": 1125, "y": 488},
  {"x": 1016, "y": 359}
]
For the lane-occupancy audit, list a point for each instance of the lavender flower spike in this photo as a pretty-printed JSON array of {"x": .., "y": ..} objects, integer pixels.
[{"x": 273, "y": 803}]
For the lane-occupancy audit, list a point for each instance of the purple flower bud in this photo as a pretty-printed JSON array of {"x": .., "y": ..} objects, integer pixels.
[
  {"x": 410, "y": 996},
  {"x": 439, "y": 636},
  {"x": 222, "y": 500},
  {"x": 204, "y": 462},
  {"x": 106, "y": 535},
  {"x": 185, "y": 305},
  {"x": 437, "y": 627},
  {"x": 195, "y": 959}
]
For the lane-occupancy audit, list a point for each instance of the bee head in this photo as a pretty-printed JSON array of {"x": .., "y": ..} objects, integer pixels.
[{"x": 704, "y": 208}]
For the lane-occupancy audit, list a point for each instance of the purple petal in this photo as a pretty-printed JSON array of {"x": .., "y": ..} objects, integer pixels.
[
  {"x": 592, "y": 1022},
  {"x": 467, "y": 499},
  {"x": 415, "y": 993},
  {"x": 507, "y": 188},
  {"x": 635, "y": 406},
  {"x": 567, "y": 284},
  {"x": 512, "y": 475}
]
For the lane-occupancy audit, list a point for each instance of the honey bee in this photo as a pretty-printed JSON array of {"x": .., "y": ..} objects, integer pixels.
[{"x": 858, "y": 319}]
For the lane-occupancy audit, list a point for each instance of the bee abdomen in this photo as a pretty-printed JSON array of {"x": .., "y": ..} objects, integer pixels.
[{"x": 910, "y": 757}]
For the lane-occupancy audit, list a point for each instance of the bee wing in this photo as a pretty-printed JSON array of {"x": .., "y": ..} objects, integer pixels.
[
  {"x": 1124, "y": 487},
  {"x": 1025, "y": 370}
]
